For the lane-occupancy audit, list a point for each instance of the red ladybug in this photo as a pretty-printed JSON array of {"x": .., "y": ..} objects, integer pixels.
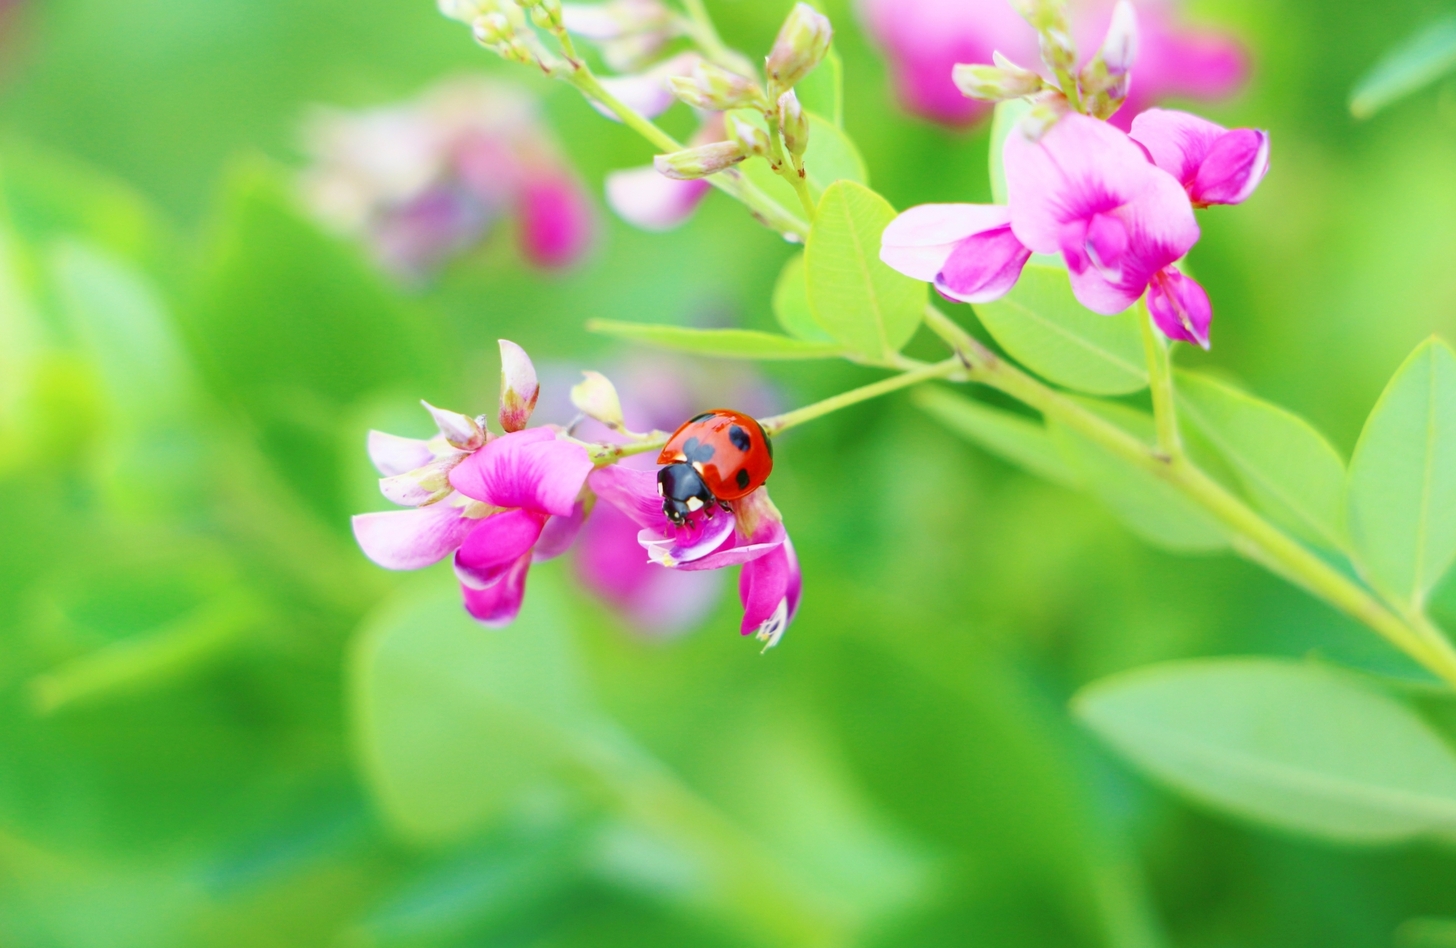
[{"x": 715, "y": 457}]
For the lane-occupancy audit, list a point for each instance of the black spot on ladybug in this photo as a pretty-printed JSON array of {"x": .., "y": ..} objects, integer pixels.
[
  {"x": 696, "y": 451},
  {"x": 739, "y": 437},
  {"x": 742, "y": 479}
]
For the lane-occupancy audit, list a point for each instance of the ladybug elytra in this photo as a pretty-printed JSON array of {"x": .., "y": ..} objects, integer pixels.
[{"x": 715, "y": 457}]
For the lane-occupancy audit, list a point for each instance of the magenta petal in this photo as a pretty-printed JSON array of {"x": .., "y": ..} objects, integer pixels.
[
  {"x": 739, "y": 551},
  {"x": 769, "y": 588},
  {"x": 393, "y": 455},
  {"x": 412, "y": 539},
  {"x": 1233, "y": 168},
  {"x": 632, "y": 491},
  {"x": 1106, "y": 244},
  {"x": 532, "y": 469},
  {"x": 556, "y": 220},
  {"x": 644, "y": 198},
  {"x": 558, "y": 534},
  {"x": 921, "y": 243},
  {"x": 499, "y": 604},
  {"x": 1180, "y": 307},
  {"x": 495, "y": 544},
  {"x": 681, "y": 546},
  {"x": 1176, "y": 141},
  {"x": 983, "y": 267}
]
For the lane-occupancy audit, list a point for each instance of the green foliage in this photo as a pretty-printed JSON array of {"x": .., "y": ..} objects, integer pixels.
[
  {"x": 1285, "y": 465},
  {"x": 858, "y": 300},
  {"x": 1004, "y": 119},
  {"x": 1148, "y": 505},
  {"x": 1041, "y": 324},
  {"x": 1295, "y": 746},
  {"x": 1401, "y": 493},
  {"x": 1416, "y": 63},
  {"x": 791, "y": 302},
  {"x": 1016, "y": 438},
  {"x": 724, "y": 343}
]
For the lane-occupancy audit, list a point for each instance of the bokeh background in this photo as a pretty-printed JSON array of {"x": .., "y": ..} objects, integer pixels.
[{"x": 221, "y": 726}]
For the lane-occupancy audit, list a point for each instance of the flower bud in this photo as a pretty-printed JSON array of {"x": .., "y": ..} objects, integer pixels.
[
  {"x": 459, "y": 430},
  {"x": 1005, "y": 80},
  {"x": 802, "y": 42},
  {"x": 492, "y": 29},
  {"x": 596, "y": 397},
  {"x": 1105, "y": 79},
  {"x": 466, "y": 11},
  {"x": 794, "y": 124},
  {"x": 518, "y": 387},
  {"x": 1049, "y": 18},
  {"x": 716, "y": 89},
  {"x": 699, "y": 162},
  {"x": 752, "y": 139}
]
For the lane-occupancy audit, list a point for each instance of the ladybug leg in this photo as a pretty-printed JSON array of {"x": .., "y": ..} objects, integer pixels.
[{"x": 725, "y": 505}]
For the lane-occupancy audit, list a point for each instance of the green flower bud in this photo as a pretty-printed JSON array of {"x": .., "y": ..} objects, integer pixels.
[
  {"x": 1104, "y": 81},
  {"x": 802, "y": 42},
  {"x": 716, "y": 89},
  {"x": 699, "y": 162},
  {"x": 794, "y": 124},
  {"x": 596, "y": 397},
  {"x": 1005, "y": 80},
  {"x": 752, "y": 139}
]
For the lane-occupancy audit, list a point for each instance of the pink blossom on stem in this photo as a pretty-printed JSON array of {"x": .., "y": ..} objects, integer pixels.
[
  {"x": 1214, "y": 165},
  {"x": 967, "y": 251}
]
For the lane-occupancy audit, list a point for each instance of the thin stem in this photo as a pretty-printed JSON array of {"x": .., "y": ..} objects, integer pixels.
[
  {"x": 764, "y": 208},
  {"x": 1160, "y": 384},
  {"x": 1252, "y": 535},
  {"x": 603, "y": 454}
]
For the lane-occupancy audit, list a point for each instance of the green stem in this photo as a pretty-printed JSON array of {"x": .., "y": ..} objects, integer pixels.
[
  {"x": 604, "y": 454},
  {"x": 730, "y": 182},
  {"x": 1253, "y": 536},
  {"x": 1160, "y": 384}
]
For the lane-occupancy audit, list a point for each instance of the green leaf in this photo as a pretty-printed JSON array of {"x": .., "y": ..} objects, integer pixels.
[
  {"x": 1003, "y": 120},
  {"x": 1401, "y": 493},
  {"x": 1418, "y": 62},
  {"x": 1015, "y": 438},
  {"x": 822, "y": 91},
  {"x": 861, "y": 302},
  {"x": 724, "y": 343},
  {"x": 1148, "y": 505},
  {"x": 791, "y": 302},
  {"x": 1288, "y": 468},
  {"x": 1041, "y": 324},
  {"x": 453, "y": 721},
  {"x": 830, "y": 157},
  {"x": 1296, "y": 746}
]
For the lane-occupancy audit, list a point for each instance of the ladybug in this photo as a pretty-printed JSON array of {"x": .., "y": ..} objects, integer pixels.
[{"x": 715, "y": 457}]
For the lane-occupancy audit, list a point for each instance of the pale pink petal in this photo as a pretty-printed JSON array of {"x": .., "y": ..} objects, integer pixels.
[
  {"x": 680, "y": 547},
  {"x": 646, "y": 199},
  {"x": 532, "y": 469},
  {"x": 918, "y": 242},
  {"x": 1176, "y": 141},
  {"x": 769, "y": 588},
  {"x": 555, "y": 220},
  {"x": 412, "y": 539},
  {"x": 495, "y": 544},
  {"x": 559, "y": 533},
  {"x": 392, "y": 454},
  {"x": 1180, "y": 307},
  {"x": 736, "y": 551},
  {"x": 983, "y": 267},
  {"x": 519, "y": 387},
  {"x": 499, "y": 604},
  {"x": 632, "y": 491}
]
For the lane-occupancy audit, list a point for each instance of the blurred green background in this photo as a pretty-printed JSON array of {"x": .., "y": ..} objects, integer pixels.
[{"x": 221, "y": 726}]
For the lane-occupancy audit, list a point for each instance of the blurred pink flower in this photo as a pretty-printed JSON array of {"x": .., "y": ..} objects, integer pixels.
[
  {"x": 424, "y": 181},
  {"x": 923, "y": 39}
]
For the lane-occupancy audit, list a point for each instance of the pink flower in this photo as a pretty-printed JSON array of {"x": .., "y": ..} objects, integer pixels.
[
  {"x": 1082, "y": 189},
  {"x": 424, "y": 181},
  {"x": 497, "y": 503},
  {"x": 1214, "y": 165},
  {"x": 753, "y": 537},
  {"x": 924, "y": 39}
]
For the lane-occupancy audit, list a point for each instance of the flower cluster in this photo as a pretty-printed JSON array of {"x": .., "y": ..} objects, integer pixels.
[
  {"x": 1117, "y": 206},
  {"x": 423, "y": 181},
  {"x": 924, "y": 39},
  {"x": 497, "y": 503}
]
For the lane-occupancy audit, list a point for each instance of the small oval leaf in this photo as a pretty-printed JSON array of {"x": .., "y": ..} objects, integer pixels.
[
  {"x": 1401, "y": 493},
  {"x": 1041, "y": 324},
  {"x": 1288, "y": 468},
  {"x": 724, "y": 343},
  {"x": 1418, "y": 62},
  {"x": 856, "y": 298},
  {"x": 791, "y": 302},
  {"x": 1287, "y": 744}
]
